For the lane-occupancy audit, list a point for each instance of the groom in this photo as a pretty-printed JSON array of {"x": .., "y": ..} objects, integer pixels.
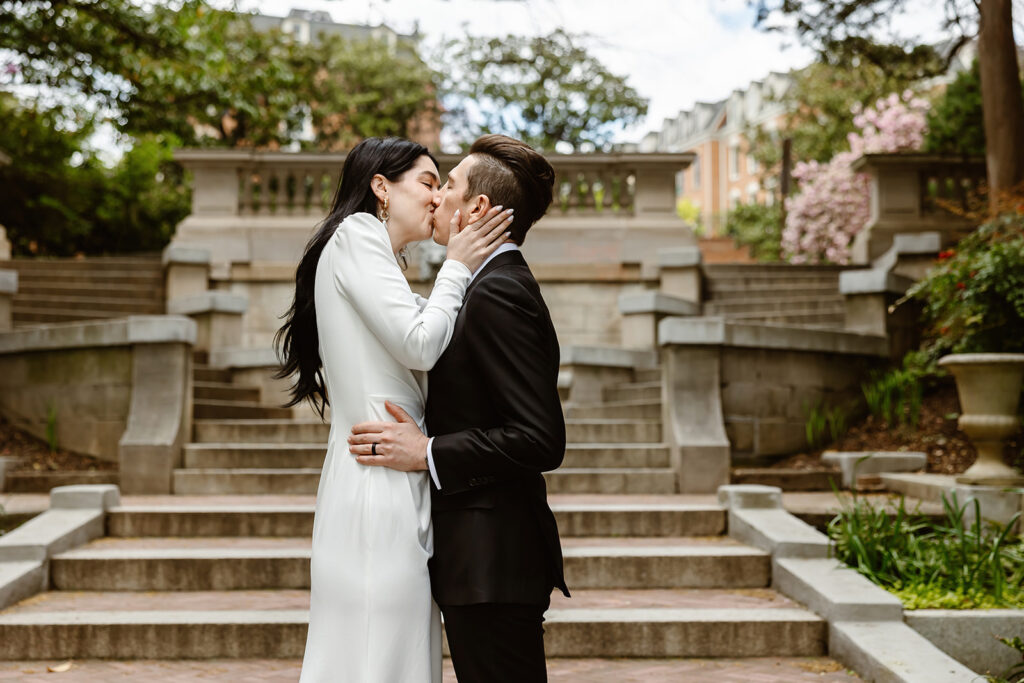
[{"x": 494, "y": 409}]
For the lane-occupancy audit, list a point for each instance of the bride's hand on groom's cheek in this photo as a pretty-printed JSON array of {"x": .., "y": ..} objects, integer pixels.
[{"x": 399, "y": 445}]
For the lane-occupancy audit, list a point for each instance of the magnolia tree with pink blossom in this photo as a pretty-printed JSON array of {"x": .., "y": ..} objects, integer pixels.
[{"x": 833, "y": 203}]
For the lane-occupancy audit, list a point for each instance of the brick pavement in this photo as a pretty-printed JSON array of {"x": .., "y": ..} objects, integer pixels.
[{"x": 760, "y": 670}]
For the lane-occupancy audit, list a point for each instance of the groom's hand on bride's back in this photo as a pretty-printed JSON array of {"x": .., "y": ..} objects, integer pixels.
[{"x": 399, "y": 445}]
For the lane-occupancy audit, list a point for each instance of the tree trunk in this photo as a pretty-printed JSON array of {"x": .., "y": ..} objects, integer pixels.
[{"x": 1001, "y": 99}]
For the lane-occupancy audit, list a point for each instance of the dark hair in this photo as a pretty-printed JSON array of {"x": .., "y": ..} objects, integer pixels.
[
  {"x": 296, "y": 342},
  {"x": 514, "y": 175}
]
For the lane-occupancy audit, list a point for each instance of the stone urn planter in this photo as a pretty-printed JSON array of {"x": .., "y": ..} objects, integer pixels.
[{"x": 989, "y": 386}]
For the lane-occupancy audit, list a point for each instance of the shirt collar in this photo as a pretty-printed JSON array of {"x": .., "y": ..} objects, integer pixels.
[{"x": 508, "y": 246}]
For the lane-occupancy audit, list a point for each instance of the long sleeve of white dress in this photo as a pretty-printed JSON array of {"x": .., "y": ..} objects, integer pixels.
[{"x": 368, "y": 276}]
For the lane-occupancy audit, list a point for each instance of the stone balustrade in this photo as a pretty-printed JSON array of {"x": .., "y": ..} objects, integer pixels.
[
  {"x": 253, "y": 212},
  {"x": 913, "y": 193}
]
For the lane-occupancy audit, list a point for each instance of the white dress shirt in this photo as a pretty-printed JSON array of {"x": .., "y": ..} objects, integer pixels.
[{"x": 508, "y": 246}]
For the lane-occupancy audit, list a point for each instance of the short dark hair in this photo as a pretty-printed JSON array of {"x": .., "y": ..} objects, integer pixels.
[{"x": 514, "y": 175}]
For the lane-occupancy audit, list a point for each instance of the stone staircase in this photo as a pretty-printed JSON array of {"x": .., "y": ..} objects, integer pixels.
[
  {"x": 786, "y": 294},
  {"x": 94, "y": 288},
  {"x": 242, "y": 448},
  {"x": 221, "y": 569}
]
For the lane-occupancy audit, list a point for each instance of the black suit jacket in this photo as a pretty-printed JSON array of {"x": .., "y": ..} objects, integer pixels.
[{"x": 494, "y": 410}]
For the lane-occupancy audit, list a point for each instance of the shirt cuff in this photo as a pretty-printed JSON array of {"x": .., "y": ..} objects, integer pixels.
[{"x": 430, "y": 463}]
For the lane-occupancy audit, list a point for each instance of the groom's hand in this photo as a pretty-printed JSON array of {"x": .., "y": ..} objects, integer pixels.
[{"x": 400, "y": 445}]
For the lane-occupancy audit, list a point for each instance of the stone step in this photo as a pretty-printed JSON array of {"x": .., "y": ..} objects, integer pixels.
[
  {"x": 597, "y": 455},
  {"x": 224, "y": 391},
  {"x": 28, "y": 314},
  {"x": 212, "y": 563},
  {"x": 728, "y": 292},
  {"x": 315, "y": 431},
  {"x": 303, "y": 455},
  {"x": 245, "y": 481},
  {"x": 788, "y": 479},
  {"x": 89, "y": 289},
  {"x": 135, "y": 305},
  {"x": 253, "y": 456},
  {"x": 246, "y": 624},
  {"x": 611, "y": 480},
  {"x": 773, "y": 270},
  {"x": 111, "y": 278},
  {"x": 646, "y": 410},
  {"x": 777, "y": 305},
  {"x": 820, "y": 317},
  {"x": 299, "y": 480},
  {"x": 574, "y": 520},
  {"x": 638, "y": 391},
  {"x": 207, "y": 409},
  {"x": 647, "y": 375},
  {"x": 204, "y": 373},
  {"x": 770, "y": 283},
  {"x": 92, "y": 263}
]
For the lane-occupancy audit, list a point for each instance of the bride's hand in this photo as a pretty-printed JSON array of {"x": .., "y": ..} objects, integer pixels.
[{"x": 473, "y": 244}]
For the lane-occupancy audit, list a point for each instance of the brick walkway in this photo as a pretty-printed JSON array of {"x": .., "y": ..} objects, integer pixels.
[{"x": 763, "y": 670}]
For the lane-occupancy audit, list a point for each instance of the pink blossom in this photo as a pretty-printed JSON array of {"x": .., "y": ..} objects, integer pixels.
[{"x": 833, "y": 202}]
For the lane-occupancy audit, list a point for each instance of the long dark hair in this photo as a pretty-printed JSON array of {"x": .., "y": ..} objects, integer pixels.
[{"x": 296, "y": 342}]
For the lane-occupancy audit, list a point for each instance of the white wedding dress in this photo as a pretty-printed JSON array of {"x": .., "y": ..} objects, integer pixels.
[{"x": 372, "y": 618}]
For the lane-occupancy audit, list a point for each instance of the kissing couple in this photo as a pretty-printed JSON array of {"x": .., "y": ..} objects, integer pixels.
[{"x": 408, "y": 526}]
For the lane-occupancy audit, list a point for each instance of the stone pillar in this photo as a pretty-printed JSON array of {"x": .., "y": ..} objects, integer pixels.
[
  {"x": 681, "y": 274},
  {"x": 641, "y": 313},
  {"x": 187, "y": 272},
  {"x": 8, "y": 288},
  {"x": 218, "y": 317}
]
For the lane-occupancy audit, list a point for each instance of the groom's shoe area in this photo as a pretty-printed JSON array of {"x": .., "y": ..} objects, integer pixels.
[{"x": 656, "y": 583}]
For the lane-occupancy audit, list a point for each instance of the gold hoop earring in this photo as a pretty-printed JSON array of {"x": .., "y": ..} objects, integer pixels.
[{"x": 384, "y": 214}]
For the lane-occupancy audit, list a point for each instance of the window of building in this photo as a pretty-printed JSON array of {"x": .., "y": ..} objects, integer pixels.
[
  {"x": 696, "y": 173},
  {"x": 734, "y": 162},
  {"x": 751, "y": 163},
  {"x": 735, "y": 197}
]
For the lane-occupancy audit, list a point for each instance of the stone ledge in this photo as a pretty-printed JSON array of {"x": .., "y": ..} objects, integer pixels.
[
  {"x": 874, "y": 281},
  {"x": 76, "y": 515},
  {"x": 208, "y": 302},
  {"x": 834, "y": 590},
  {"x": 679, "y": 257},
  {"x": 20, "y": 580},
  {"x": 607, "y": 356},
  {"x": 656, "y": 302},
  {"x": 969, "y": 636},
  {"x": 909, "y": 244},
  {"x": 137, "y": 329},
  {"x": 891, "y": 651},
  {"x": 8, "y": 282},
  {"x": 260, "y": 357},
  {"x": 855, "y": 464},
  {"x": 196, "y": 256},
  {"x": 709, "y": 331}
]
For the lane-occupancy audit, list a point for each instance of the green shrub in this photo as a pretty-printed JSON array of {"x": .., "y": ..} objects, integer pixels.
[
  {"x": 896, "y": 395},
  {"x": 823, "y": 421},
  {"x": 950, "y": 564},
  {"x": 974, "y": 297},
  {"x": 758, "y": 226}
]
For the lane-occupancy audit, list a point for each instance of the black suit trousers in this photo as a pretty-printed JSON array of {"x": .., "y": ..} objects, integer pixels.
[{"x": 496, "y": 643}]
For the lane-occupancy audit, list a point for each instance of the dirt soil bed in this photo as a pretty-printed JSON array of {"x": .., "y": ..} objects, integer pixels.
[
  {"x": 33, "y": 455},
  {"x": 949, "y": 450}
]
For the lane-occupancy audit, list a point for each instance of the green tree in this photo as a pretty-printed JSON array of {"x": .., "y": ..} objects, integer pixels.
[
  {"x": 544, "y": 90},
  {"x": 758, "y": 226},
  {"x": 818, "y": 108},
  {"x": 845, "y": 30},
  {"x": 956, "y": 122}
]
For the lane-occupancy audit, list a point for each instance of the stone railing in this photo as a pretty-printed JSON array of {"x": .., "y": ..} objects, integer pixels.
[
  {"x": 120, "y": 390},
  {"x": 913, "y": 193},
  {"x": 251, "y": 183}
]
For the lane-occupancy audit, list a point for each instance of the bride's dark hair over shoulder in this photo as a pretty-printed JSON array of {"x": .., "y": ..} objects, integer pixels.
[{"x": 296, "y": 342}]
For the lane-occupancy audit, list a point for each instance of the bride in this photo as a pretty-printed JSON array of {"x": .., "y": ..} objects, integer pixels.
[{"x": 353, "y": 338}]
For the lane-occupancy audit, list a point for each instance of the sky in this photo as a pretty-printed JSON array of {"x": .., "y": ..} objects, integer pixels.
[{"x": 674, "y": 52}]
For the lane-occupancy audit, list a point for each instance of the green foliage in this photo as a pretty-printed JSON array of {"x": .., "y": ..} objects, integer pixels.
[
  {"x": 974, "y": 297},
  {"x": 952, "y": 563},
  {"x": 544, "y": 90},
  {"x": 51, "y": 427},
  {"x": 57, "y": 199},
  {"x": 758, "y": 226},
  {"x": 688, "y": 211},
  {"x": 896, "y": 395},
  {"x": 824, "y": 424},
  {"x": 956, "y": 122},
  {"x": 1016, "y": 672},
  {"x": 819, "y": 107}
]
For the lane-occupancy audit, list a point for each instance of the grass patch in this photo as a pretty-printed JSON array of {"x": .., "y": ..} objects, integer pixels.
[{"x": 959, "y": 562}]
